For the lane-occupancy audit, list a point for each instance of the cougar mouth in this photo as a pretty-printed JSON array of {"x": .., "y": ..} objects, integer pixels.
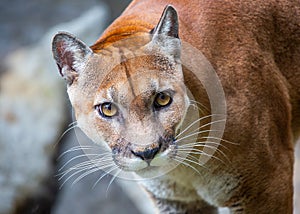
[{"x": 135, "y": 158}]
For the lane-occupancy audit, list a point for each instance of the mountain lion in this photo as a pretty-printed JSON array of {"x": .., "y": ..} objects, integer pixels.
[{"x": 132, "y": 93}]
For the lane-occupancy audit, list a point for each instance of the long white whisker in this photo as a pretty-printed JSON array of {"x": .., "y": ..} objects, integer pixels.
[
  {"x": 92, "y": 170},
  {"x": 72, "y": 159},
  {"x": 88, "y": 170},
  {"x": 199, "y": 152},
  {"x": 63, "y": 134},
  {"x": 75, "y": 148},
  {"x": 80, "y": 156},
  {"x": 83, "y": 165},
  {"x": 217, "y": 138},
  {"x": 191, "y": 161},
  {"x": 197, "y": 163},
  {"x": 199, "y": 143},
  {"x": 196, "y": 133},
  {"x": 196, "y": 102},
  {"x": 75, "y": 173},
  {"x": 95, "y": 161},
  {"x": 187, "y": 149},
  {"x": 202, "y": 143},
  {"x": 197, "y": 107},
  {"x": 181, "y": 161},
  {"x": 112, "y": 180},
  {"x": 209, "y": 146},
  {"x": 106, "y": 173},
  {"x": 72, "y": 123},
  {"x": 193, "y": 123},
  {"x": 86, "y": 164}
]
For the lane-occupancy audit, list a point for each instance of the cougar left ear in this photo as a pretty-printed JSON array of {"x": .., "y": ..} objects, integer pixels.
[
  {"x": 70, "y": 55},
  {"x": 165, "y": 34}
]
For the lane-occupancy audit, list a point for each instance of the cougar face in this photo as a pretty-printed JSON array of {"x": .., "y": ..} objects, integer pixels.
[
  {"x": 135, "y": 109},
  {"x": 129, "y": 96}
]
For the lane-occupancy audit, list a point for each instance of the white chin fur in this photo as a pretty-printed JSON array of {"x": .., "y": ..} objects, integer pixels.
[
  {"x": 160, "y": 159},
  {"x": 137, "y": 164},
  {"x": 134, "y": 164}
]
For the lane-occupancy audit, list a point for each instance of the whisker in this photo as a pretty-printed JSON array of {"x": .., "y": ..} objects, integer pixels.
[
  {"x": 91, "y": 170},
  {"x": 75, "y": 148},
  {"x": 197, "y": 107},
  {"x": 203, "y": 143},
  {"x": 63, "y": 134},
  {"x": 181, "y": 161},
  {"x": 84, "y": 165},
  {"x": 72, "y": 123},
  {"x": 207, "y": 124},
  {"x": 80, "y": 156},
  {"x": 197, "y": 163},
  {"x": 191, "y": 161},
  {"x": 209, "y": 146},
  {"x": 190, "y": 156},
  {"x": 190, "y": 150},
  {"x": 196, "y": 133},
  {"x": 72, "y": 175},
  {"x": 193, "y": 123},
  {"x": 112, "y": 180},
  {"x": 96, "y": 162},
  {"x": 200, "y": 104},
  {"x": 199, "y": 152},
  {"x": 104, "y": 174},
  {"x": 76, "y": 167},
  {"x": 200, "y": 143},
  {"x": 88, "y": 170},
  {"x": 217, "y": 138}
]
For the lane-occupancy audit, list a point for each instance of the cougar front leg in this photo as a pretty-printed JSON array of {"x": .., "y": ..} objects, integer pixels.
[{"x": 171, "y": 207}]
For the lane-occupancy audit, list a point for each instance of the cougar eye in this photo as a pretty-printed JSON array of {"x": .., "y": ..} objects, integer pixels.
[
  {"x": 162, "y": 100},
  {"x": 107, "y": 109}
]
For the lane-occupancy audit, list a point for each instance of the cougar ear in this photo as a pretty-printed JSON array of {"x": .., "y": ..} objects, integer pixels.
[
  {"x": 165, "y": 34},
  {"x": 70, "y": 55}
]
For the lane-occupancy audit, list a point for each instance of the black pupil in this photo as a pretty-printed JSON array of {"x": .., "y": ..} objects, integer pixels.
[
  {"x": 162, "y": 96},
  {"x": 107, "y": 106}
]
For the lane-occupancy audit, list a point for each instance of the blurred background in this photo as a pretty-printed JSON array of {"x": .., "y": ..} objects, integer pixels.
[{"x": 35, "y": 113}]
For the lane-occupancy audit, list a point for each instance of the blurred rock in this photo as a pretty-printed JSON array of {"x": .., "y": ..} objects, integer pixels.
[
  {"x": 23, "y": 24},
  {"x": 33, "y": 112}
]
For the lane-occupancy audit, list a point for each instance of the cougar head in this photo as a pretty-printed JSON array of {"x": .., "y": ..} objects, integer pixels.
[{"x": 131, "y": 95}]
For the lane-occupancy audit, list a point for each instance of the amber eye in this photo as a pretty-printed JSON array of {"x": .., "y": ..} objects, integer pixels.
[
  {"x": 162, "y": 100},
  {"x": 107, "y": 109}
]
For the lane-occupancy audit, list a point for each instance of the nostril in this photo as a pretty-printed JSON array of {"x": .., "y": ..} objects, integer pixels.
[{"x": 147, "y": 154}]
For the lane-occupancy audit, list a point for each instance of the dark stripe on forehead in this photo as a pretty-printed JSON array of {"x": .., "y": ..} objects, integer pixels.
[{"x": 127, "y": 68}]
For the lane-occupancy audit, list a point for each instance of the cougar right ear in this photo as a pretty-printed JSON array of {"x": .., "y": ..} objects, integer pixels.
[
  {"x": 70, "y": 55},
  {"x": 168, "y": 23},
  {"x": 165, "y": 34}
]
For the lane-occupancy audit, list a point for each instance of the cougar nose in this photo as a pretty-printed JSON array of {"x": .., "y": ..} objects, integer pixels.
[{"x": 146, "y": 155}]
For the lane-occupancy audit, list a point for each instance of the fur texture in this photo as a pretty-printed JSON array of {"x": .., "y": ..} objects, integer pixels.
[{"x": 254, "y": 47}]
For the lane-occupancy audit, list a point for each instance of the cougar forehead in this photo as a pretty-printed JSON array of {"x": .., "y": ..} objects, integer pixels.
[{"x": 144, "y": 75}]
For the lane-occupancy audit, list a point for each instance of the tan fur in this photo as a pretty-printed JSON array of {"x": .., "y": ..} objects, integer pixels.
[{"x": 254, "y": 46}]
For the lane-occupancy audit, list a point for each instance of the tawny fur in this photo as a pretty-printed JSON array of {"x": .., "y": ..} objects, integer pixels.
[{"x": 254, "y": 46}]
